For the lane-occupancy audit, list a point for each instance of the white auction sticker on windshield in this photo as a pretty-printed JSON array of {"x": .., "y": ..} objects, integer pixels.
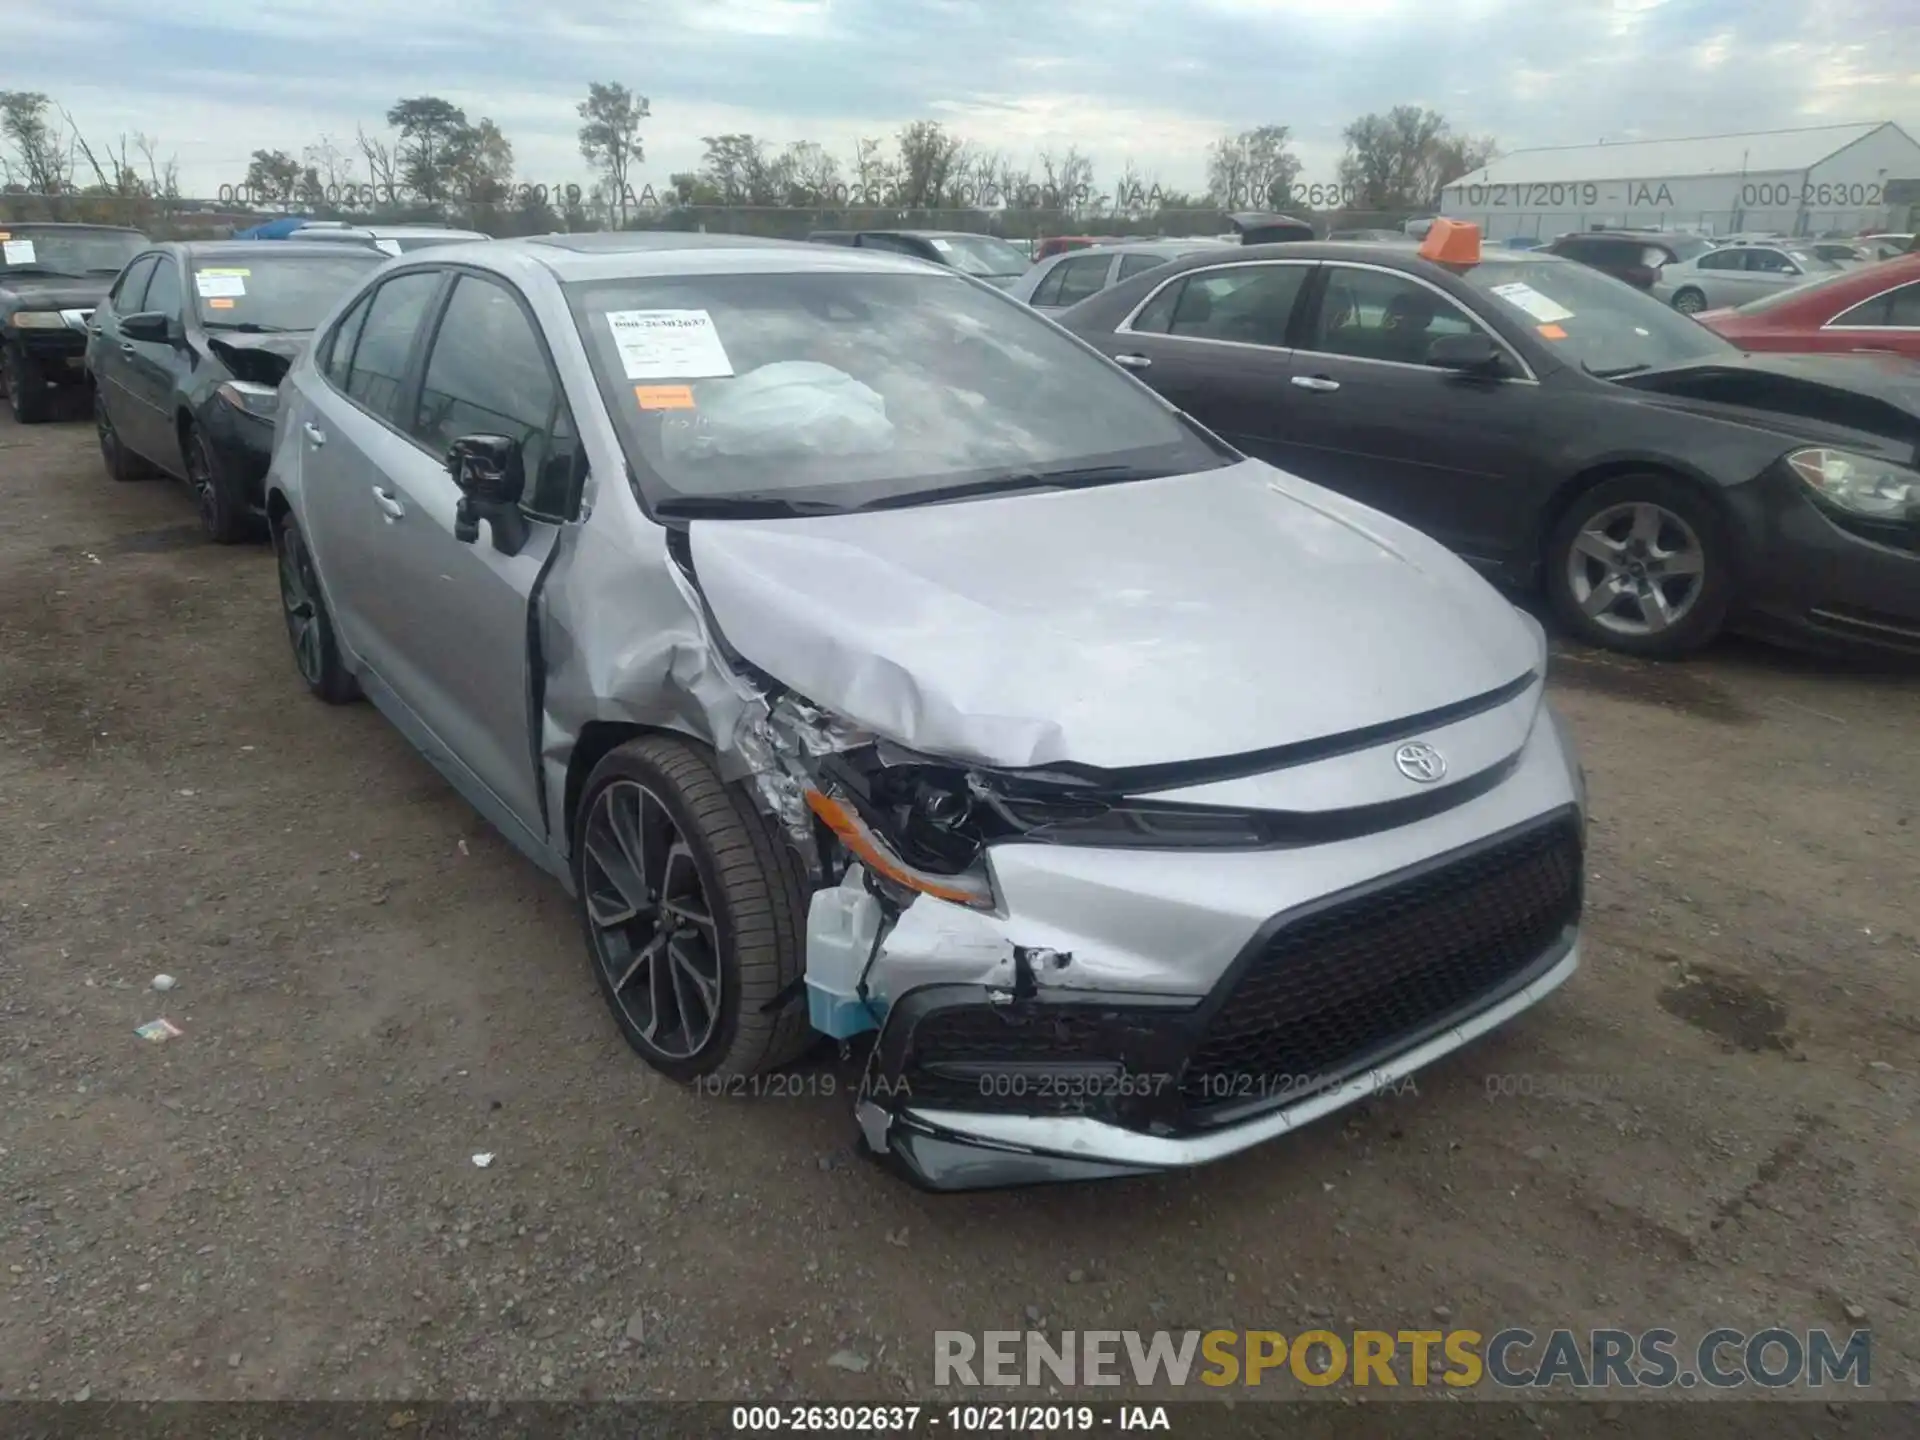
[
  {"x": 17, "y": 252},
  {"x": 1524, "y": 297},
  {"x": 668, "y": 344},
  {"x": 220, "y": 284},
  {"x": 945, "y": 247}
]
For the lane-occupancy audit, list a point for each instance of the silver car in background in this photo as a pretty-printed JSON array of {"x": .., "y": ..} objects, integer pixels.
[
  {"x": 869, "y": 658},
  {"x": 1072, "y": 275},
  {"x": 1735, "y": 273}
]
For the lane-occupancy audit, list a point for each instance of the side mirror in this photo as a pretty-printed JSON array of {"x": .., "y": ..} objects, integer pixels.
[
  {"x": 149, "y": 325},
  {"x": 1473, "y": 354},
  {"x": 491, "y": 475}
]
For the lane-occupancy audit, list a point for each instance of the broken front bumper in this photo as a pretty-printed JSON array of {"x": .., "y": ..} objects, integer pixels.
[{"x": 1330, "y": 999}]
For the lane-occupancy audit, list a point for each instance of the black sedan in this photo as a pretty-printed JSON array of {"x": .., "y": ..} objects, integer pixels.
[
  {"x": 1556, "y": 428},
  {"x": 51, "y": 277},
  {"x": 187, "y": 352}
]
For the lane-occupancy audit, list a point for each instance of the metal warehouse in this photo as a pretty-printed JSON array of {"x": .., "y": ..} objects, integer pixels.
[{"x": 1844, "y": 178}]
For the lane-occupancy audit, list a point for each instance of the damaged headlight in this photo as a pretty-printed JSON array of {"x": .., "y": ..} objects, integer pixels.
[{"x": 1859, "y": 483}]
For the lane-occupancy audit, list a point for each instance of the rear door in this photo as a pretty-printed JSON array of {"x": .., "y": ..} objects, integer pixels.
[
  {"x": 1215, "y": 342},
  {"x": 1456, "y": 456},
  {"x": 149, "y": 369},
  {"x": 451, "y": 617},
  {"x": 350, "y": 438},
  {"x": 1888, "y": 321},
  {"x": 109, "y": 359}
]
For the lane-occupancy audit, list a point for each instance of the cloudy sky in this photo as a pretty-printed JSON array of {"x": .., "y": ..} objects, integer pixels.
[{"x": 1146, "y": 81}]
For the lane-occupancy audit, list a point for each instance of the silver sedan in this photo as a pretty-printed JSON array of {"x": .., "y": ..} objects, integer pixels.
[
  {"x": 1071, "y": 276},
  {"x": 1735, "y": 274}
]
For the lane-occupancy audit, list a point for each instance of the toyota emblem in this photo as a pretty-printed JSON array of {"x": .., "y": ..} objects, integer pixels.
[{"x": 1420, "y": 762}]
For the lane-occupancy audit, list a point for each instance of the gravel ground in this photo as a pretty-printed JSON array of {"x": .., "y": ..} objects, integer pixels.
[{"x": 281, "y": 1202}]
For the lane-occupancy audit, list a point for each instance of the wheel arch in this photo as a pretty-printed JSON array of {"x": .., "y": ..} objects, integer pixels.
[
  {"x": 1576, "y": 485},
  {"x": 598, "y": 739}
]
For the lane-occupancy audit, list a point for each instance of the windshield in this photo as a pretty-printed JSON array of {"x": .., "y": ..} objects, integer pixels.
[
  {"x": 979, "y": 254},
  {"x": 848, "y": 389},
  {"x": 79, "y": 253},
  {"x": 276, "y": 292},
  {"x": 1590, "y": 319}
]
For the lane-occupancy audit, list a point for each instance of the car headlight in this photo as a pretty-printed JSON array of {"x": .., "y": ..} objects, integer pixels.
[
  {"x": 38, "y": 320},
  {"x": 251, "y": 398},
  {"x": 1858, "y": 483}
]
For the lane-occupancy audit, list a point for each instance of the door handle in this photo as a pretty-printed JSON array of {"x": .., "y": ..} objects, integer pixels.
[
  {"x": 1132, "y": 362},
  {"x": 315, "y": 435},
  {"x": 389, "y": 503},
  {"x": 1315, "y": 382}
]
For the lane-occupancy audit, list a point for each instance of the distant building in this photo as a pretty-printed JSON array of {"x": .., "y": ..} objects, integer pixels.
[{"x": 1800, "y": 182}]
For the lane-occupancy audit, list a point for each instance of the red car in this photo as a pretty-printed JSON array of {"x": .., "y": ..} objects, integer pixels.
[{"x": 1874, "y": 307}]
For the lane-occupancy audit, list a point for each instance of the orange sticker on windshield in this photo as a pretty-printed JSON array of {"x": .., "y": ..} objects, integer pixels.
[
  {"x": 664, "y": 397},
  {"x": 1551, "y": 332},
  {"x": 219, "y": 304}
]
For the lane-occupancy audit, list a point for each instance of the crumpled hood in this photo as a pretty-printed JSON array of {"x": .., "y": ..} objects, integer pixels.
[
  {"x": 1181, "y": 619},
  {"x": 265, "y": 358},
  {"x": 1813, "y": 397}
]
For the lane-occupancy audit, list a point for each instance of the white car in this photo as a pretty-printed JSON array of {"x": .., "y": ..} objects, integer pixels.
[
  {"x": 1072, "y": 275},
  {"x": 391, "y": 239}
]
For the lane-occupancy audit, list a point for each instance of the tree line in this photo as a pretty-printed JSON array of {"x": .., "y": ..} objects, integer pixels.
[{"x": 431, "y": 161}]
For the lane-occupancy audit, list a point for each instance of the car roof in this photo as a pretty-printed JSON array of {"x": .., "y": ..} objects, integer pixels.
[
  {"x": 1151, "y": 247},
  {"x": 638, "y": 253},
  {"x": 264, "y": 249}
]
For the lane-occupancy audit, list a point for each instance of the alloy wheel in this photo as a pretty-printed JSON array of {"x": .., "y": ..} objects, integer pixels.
[
  {"x": 200, "y": 479},
  {"x": 652, "y": 924},
  {"x": 1688, "y": 303},
  {"x": 296, "y": 600},
  {"x": 1636, "y": 568}
]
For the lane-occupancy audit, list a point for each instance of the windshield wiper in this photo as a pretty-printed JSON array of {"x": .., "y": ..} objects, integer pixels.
[
  {"x": 35, "y": 268},
  {"x": 247, "y": 327},
  {"x": 1015, "y": 481},
  {"x": 747, "y": 506},
  {"x": 1617, "y": 371},
  {"x": 105, "y": 269}
]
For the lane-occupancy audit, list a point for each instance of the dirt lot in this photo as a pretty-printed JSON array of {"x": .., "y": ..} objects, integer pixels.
[{"x": 1721, "y": 1128}]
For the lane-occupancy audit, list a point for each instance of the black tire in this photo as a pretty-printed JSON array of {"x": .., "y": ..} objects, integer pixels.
[
  {"x": 223, "y": 511},
  {"x": 1707, "y": 600},
  {"x": 316, "y": 653},
  {"x": 122, "y": 464},
  {"x": 750, "y": 880},
  {"x": 1689, "y": 301},
  {"x": 26, "y": 384}
]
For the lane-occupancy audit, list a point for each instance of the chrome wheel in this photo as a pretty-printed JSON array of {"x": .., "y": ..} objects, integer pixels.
[
  {"x": 651, "y": 922},
  {"x": 1636, "y": 569},
  {"x": 297, "y": 602}
]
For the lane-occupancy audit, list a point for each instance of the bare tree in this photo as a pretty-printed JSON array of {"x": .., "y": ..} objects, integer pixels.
[
  {"x": 41, "y": 156},
  {"x": 1254, "y": 169},
  {"x": 163, "y": 178},
  {"x": 382, "y": 168},
  {"x": 1066, "y": 179},
  {"x": 610, "y": 138}
]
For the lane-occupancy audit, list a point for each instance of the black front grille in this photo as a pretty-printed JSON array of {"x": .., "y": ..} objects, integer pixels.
[{"x": 1341, "y": 988}]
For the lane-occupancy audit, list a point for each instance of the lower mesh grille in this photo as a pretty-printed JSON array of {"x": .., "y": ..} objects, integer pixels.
[{"x": 1340, "y": 988}]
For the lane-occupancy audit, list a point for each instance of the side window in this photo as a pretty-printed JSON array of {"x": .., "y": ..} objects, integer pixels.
[
  {"x": 1082, "y": 276},
  {"x": 1768, "y": 261},
  {"x": 339, "y": 352},
  {"x": 1728, "y": 259},
  {"x": 131, "y": 288},
  {"x": 1375, "y": 315},
  {"x": 488, "y": 375},
  {"x": 1132, "y": 265},
  {"x": 163, "y": 292},
  {"x": 379, "y": 364},
  {"x": 1250, "y": 304},
  {"x": 1047, "y": 293},
  {"x": 1903, "y": 307}
]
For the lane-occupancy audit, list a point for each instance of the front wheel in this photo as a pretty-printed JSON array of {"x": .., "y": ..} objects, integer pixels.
[
  {"x": 223, "y": 514},
  {"x": 27, "y": 393},
  {"x": 316, "y": 653},
  {"x": 1641, "y": 564},
  {"x": 692, "y": 908},
  {"x": 1689, "y": 301}
]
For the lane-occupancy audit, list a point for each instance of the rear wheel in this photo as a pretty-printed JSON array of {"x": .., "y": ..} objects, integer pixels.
[
  {"x": 1689, "y": 301},
  {"x": 28, "y": 395},
  {"x": 1642, "y": 564},
  {"x": 223, "y": 513},
  {"x": 122, "y": 464},
  {"x": 693, "y": 913}
]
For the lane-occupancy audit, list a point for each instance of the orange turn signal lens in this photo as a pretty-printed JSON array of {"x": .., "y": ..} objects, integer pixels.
[{"x": 878, "y": 856}]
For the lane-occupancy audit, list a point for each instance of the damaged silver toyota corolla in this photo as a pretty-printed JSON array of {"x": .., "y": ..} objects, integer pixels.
[{"x": 866, "y": 654}]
